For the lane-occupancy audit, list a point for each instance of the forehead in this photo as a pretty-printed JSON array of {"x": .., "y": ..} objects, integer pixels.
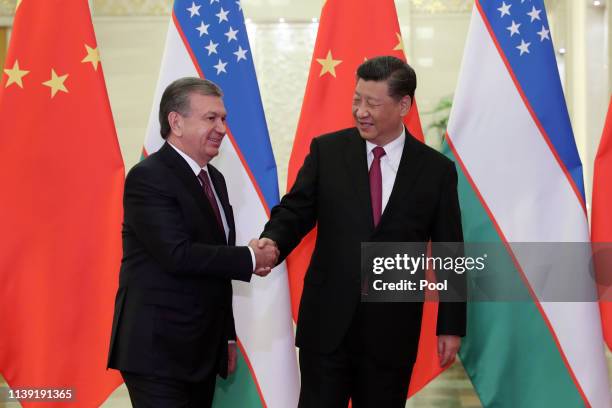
[
  {"x": 372, "y": 89},
  {"x": 206, "y": 103}
]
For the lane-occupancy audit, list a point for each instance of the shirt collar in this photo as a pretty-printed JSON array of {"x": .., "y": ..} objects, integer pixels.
[
  {"x": 195, "y": 167},
  {"x": 393, "y": 150}
]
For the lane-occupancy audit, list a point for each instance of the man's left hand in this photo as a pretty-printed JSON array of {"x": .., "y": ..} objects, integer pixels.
[
  {"x": 447, "y": 349},
  {"x": 232, "y": 356}
]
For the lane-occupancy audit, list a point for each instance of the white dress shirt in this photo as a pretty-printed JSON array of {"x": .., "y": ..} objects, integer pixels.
[{"x": 389, "y": 164}]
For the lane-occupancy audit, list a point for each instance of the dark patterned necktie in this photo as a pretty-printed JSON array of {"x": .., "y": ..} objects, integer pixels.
[{"x": 203, "y": 176}]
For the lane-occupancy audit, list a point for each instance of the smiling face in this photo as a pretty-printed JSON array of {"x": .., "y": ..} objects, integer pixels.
[
  {"x": 199, "y": 132},
  {"x": 378, "y": 116}
]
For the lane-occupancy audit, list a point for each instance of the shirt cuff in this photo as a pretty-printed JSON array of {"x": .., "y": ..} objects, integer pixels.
[{"x": 252, "y": 257}]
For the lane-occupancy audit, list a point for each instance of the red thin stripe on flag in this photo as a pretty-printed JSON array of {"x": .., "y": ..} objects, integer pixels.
[{"x": 248, "y": 171}]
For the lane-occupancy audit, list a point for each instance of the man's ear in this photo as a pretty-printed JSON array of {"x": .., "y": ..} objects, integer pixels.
[
  {"x": 175, "y": 120},
  {"x": 405, "y": 104}
]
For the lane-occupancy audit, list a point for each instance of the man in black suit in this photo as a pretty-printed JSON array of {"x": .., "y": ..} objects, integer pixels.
[
  {"x": 173, "y": 328},
  {"x": 371, "y": 183}
]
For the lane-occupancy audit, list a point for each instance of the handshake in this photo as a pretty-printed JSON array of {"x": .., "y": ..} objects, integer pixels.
[{"x": 266, "y": 255}]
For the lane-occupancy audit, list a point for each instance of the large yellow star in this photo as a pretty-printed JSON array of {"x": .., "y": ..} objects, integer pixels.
[
  {"x": 56, "y": 83},
  {"x": 93, "y": 56},
  {"x": 400, "y": 44},
  {"x": 15, "y": 75},
  {"x": 328, "y": 64}
]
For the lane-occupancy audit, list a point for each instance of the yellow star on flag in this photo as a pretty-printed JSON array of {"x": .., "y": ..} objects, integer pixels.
[
  {"x": 56, "y": 83},
  {"x": 15, "y": 75},
  {"x": 328, "y": 64},
  {"x": 18, "y": 3},
  {"x": 93, "y": 56},
  {"x": 400, "y": 44}
]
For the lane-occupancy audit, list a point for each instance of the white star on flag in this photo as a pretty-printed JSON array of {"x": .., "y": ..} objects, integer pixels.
[
  {"x": 240, "y": 54},
  {"x": 524, "y": 47},
  {"x": 239, "y": 5},
  {"x": 505, "y": 9},
  {"x": 543, "y": 33},
  {"x": 203, "y": 28},
  {"x": 534, "y": 14},
  {"x": 514, "y": 28},
  {"x": 212, "y": 47},
  {"x": 222, "y": 15},
  {"x": 220, "y": 67},
  {"x": 194, "y": 10},
  {"x": 231, "y": 34},
  {"x": 214, "y": 1}
]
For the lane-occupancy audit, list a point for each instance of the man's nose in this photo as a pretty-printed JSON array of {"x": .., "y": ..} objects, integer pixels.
[
  {"x": 360, "y": 112},
  {"x": 221, "y": 128}
]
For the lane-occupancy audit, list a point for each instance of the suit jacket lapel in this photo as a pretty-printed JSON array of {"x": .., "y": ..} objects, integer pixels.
[
  {"x": 407, "y": 173},
  {"x": 182, "y": 170},
  {"x": 357, "y": 165}
]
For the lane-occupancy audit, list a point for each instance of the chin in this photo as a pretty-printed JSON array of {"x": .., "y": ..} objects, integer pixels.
[
  {"x": 211, "y": 152},
  {"x": 367, "y": 135}
]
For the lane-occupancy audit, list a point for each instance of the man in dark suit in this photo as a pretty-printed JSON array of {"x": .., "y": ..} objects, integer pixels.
[
  {"x": 371, "y": 183},
  {"x": 173, "y": 328}
]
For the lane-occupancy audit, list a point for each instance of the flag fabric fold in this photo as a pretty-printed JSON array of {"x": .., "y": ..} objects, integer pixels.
[
  {"x": 62, "y": 177},
  {"x": 521, "y": 181},
  {"x": 208, "y": 39}
]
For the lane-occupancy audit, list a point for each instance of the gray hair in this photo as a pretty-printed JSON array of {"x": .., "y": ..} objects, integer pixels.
[{"x": 176, "y": 99}]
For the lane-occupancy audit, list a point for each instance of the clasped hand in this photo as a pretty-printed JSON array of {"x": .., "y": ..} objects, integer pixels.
[{"x": 266, "y": 255}]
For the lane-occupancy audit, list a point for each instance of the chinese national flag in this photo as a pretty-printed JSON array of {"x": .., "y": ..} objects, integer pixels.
[
  {"x": 349, "y": 32},
  {"x": 601, "y": 223},
  {"x": 62, "y": 182}
]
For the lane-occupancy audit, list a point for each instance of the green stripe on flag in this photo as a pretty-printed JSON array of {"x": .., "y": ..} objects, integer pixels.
[
  {"x": 239, "y": 390},
  {"x": 509, "y": 352}
]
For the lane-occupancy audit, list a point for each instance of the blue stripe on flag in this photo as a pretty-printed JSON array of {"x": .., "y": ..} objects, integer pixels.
[
  {"x": 217, "y": 36},
  {"x": 522, "y": 31}
]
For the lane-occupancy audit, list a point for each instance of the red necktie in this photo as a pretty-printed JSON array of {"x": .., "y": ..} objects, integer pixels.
[
  {"x": 203, "y": 176},
  {"x": 376, "y": 184}
]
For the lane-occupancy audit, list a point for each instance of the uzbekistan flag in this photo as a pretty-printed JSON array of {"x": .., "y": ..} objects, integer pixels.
[
  {"x": 208, "y": 39},
  {"x": 521, "y": 181}
]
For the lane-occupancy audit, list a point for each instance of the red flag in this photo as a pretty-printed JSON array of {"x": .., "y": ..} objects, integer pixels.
[
  {"x": 62, "y": 183},
  {"x": 601, "y": 222},
  {"x": 349, "y": 32}
]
